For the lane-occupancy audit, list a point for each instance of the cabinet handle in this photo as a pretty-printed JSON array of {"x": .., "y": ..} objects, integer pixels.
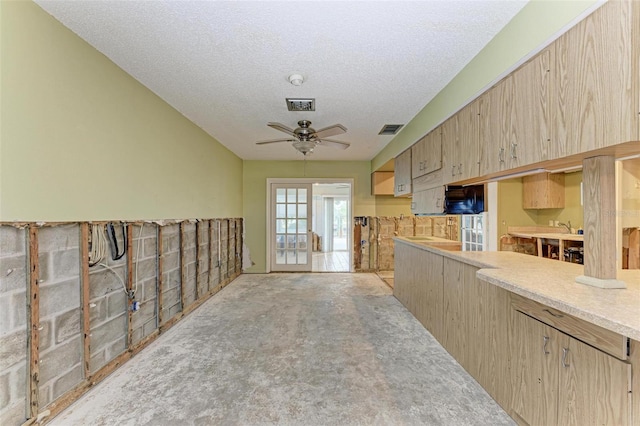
[
  {"x": 565, "y": 351},
  {"x": 453, "y": 170},
  {"x": 545, "y": 339},
  {"x": 438, "y": 202},
  {"x": 460, "y": 169},
  {"x": 501, "y": 155},
  {"x": 552, "y": 314},
  {"x": 514, "y": 146}
]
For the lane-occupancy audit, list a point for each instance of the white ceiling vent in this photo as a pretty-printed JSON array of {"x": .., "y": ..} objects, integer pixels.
[
  {"x": 301, "y": 104},
  {"x": 390, "y": 129}
]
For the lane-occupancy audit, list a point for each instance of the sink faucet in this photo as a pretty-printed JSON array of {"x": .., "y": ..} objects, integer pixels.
[{"x": 566, "y": 225}]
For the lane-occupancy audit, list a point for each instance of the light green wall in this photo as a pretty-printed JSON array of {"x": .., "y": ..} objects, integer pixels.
[
  {"x": 572, "y": 210},
  {"x": 539, "y": 21},
  {"x": 510, "y": 211},
  {"x": 82, "y": 140},
  {"x": 388, "y": 205},
  {"x": 255, "y": 174}
]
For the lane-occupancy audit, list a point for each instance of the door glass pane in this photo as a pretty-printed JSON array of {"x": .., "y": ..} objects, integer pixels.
[
  {"x": 291, "y": 195},
  {"x": 302, "y": 195},
  {"x": 291, "y": 257},
  {"x": 291, "y": 210},
  {"x": 302, "y": 257},
  {"x": 280, "y": 241},
  {"x": 291, "y": 241},
  {"x": 302, "y": 211},
  {"x": 302, "y": 242},
  {"x": 302, "y": 226},
  {"x": 291, "y": 226},
  {"x": 281, "y": 226},
  {"x": 281, "y": 195},
  {"x": 281, "y": 210}
]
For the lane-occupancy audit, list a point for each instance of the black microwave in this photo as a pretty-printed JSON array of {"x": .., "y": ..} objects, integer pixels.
[{"x": 464, "y": 199}]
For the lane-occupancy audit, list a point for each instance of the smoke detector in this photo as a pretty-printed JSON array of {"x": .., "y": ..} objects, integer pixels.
[{"x": 296, "y": 79}]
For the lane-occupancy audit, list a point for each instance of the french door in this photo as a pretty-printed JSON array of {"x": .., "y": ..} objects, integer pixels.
[{"x": 290, "y": 227}]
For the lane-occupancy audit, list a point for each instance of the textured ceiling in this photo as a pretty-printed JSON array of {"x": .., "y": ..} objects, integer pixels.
[{"x": 224, "y": 64}]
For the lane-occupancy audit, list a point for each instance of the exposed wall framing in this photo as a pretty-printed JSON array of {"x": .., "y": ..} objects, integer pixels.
[
  {"x": 66, "y": 325},
  {"x": 373, "y": 248}
]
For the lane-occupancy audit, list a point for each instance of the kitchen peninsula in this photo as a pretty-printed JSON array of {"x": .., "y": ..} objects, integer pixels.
[{"x": 543, "y": 346}]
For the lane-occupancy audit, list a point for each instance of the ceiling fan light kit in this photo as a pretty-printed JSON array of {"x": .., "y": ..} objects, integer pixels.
[{"x": 307, "y": 138}]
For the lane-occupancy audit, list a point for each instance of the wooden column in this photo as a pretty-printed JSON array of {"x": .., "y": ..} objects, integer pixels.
[
  {"x": 599, "y": 200},
  {"x": 160, "y": 257},
  {"x": 33, "y": 312}
]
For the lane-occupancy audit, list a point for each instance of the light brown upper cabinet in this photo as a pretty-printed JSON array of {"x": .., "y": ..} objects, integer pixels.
[
  {"x": 529, "y": 141},
  {"x": 543, "y": 191},
  {"x": 496, "y": 109},
  {"x": 596, "y": 81},
  {"x": 402, "y": 174},
  {"x": 460, "y": 144},
  {"x": 382, "y": 183},
  {"x": 426, "y": 154}
]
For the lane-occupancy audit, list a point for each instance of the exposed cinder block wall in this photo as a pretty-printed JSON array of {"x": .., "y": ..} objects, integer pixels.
[
  {"x": 171, "y": 277},
  {"x": 145, "y": 280},
  {"x": 108, "y": 307},
  {"x": 189, "y": 262},
  {"x": 13, "y": 324},
  {"x": 231, "y": 268},
  {"x": 61, "y": 344},
  {"x": 224, "y": 248}
]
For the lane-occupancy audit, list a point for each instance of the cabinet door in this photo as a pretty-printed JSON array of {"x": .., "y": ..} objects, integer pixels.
[
  {"x": 454, "y": 336},
  {"x": 594, "y": 387},
  {"x": 418, "y": 155},
  {"x": 594, "y": 81},
  {"x": 433, "y": 151},
  {"x": 468, "y": 134},
  {"x": 530, "y": 138},
  {"x": 450, "y": 149},
  {"x": 534, "y": 371},
  {"x": 495, "y": 126},
  {"x": 430, "y": 201},
  {"x": 402, "y": 174}
]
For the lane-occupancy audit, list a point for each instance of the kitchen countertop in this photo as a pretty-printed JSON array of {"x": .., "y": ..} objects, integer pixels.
[
  {"x": 553, "y": 283},
  {"x": 550, "y": 236}
]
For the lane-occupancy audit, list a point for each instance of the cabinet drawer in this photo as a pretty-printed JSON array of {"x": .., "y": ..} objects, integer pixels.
[{"x": 596, "y": 336}]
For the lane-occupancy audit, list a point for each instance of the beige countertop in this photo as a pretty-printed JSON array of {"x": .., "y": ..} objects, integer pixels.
[
  {"x": 552, "y": 283},
  {"x": 549, "y": 236}
]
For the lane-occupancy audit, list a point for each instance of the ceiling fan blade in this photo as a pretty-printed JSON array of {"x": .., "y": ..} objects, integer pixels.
[
  {"x": 282, "y": 128},
  {"x": 336, "y": 129},
  {"x": 275, "y": 141},
  {"x": 334, "y": 144}
]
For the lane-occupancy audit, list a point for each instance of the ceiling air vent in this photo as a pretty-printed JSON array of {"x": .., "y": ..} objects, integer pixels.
[
  {"x": 301, "y": 104},
  {"x": 390, "y": 129}
]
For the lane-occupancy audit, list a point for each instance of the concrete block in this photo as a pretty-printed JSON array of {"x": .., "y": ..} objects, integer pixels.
[
  {"x": 146, "y": 312},
  {"x": 43, "y": 267},
  {"x": 13, "y": 349},
  {"x": 44, "y": 394},
  {"x": 5, "y": 314},
  {"x": 117, "y": 347},
  {"x": 12, "y": 240},
  {"x": 60, "y": 358},
  {"x": 19, "y": 310},
  {"x": 103, "y": 281},
  {"x": 46, "y": 339},
  {"x": 97, "y": 360},
  {"x": 171, "y": 261},
  {"x": 149, "y": 291},
  {"x": 173, "y": 279},
  {"x": 5, "y": 391},
  {"x": 170, "y": 297},
  {"x": 146, "y": 269},
  {"x": 65, "y": 264},
  {"x": 174, "y": 310},
  {"x": 68, "y": 325},
  {"x": 108, "y": 332},
  {"x": 149, "y": 327},
  {"x": 149, "y": 247},
  {"x": 136, "y": 335},
  {"x": 170, "y": 243},
  {"x": 190, "y": 255},
  {"x": 13, "y": 415},
  {"x": 116, "y": 304},
  {"x": 67, "y": 381},
  {"x": 54, "y": 238},
  {"x": 148, "y": 230},
  {"x": 98, "y": 313},
  {"x": 191, "y": 271},
  {"x": 13, "y": 273},
  {"x": 59, "y": 297}
]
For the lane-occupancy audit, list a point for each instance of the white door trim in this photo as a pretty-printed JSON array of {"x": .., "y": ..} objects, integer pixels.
[{"x": 349, "y": 181}]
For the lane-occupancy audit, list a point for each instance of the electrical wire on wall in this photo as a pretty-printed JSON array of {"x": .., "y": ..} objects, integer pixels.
[{"x": 98, "y": 246}]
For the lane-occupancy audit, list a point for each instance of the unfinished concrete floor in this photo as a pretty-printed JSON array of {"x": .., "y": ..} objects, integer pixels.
[{"x": 292, "y": 349}]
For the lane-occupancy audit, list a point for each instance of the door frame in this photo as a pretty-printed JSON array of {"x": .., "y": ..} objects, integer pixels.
[{"x": 349, "y": 181}]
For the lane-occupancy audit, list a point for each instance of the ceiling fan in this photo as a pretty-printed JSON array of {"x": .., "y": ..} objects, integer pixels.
[{"x": 305, "y": 138}]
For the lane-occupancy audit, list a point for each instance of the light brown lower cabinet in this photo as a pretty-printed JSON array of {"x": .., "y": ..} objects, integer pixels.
[{"x": 558, "y": 380}]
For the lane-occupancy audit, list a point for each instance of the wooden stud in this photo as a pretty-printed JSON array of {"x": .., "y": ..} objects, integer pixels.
[
  {"x": 84, "y": 268},
  {"x": 160, "y": 258},
  {"x": 33, "y": 310},
  {"x": 183, "y": 268},
  {"x": 211, "y": 260},
  {"x": 599, "y": 217},
  {"x": 130, "y": 267}
]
